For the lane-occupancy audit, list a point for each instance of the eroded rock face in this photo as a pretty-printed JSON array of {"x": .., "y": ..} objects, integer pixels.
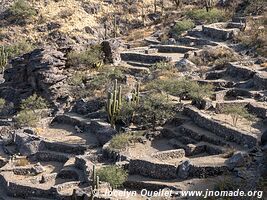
[{"x": 40, "y": 71}]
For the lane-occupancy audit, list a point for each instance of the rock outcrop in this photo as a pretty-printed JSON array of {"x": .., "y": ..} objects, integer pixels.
[{"x": 40, "y": 71}]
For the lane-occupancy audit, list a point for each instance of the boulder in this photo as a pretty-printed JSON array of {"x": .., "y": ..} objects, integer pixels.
[
  {"x": 183, "y": 169},
  {"x": 202, "y": 104},
  {"x": 102, "y": 130},
  {"x": 84, "y": 107},
  {"x": 110, "y": 49},
  {"x": 40, "y": 71},
  {"x": 239, "y": 159},
  {"x": 27, "y": 144},
  {"x": 185, "y": 65}
]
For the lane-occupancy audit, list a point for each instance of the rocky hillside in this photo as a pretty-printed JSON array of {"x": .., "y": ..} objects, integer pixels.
[{"x": 101, "y": 98}]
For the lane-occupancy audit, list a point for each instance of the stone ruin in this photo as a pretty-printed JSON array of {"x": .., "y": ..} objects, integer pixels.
[{"x": 195, "y": 148}]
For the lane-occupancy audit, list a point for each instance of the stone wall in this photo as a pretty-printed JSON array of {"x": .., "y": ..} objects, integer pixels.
[
  {"x": 206, "y": 171},
  {"x": 47, "y": 156},
  {"x": 257, "y": 109},
  {"x": 238, "y": 71},
  {"x": 23, "y": 191},
  {"x": 65, "y": 148},
  {"x": 153, "y": 170},
  {"x": 228, "y": 133},
  {"x": 146, "y": 58},
  {"x": 260, "y": 80},
  {"x": 173, "y": 48},
  {"x": 217, "y": 31},
  {"x": 170, "y": 154}
]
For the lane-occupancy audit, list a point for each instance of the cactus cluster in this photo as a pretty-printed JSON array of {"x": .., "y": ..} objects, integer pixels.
[
  {"x": 3, "y": 58},
  {"x": 114, "y": 103}
]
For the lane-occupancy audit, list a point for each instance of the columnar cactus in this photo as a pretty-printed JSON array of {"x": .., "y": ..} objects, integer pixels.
[
  {"x": 95, "y": 179},
  {"x": 3, "y": 58},
  {"x": 115, "y": 27},
  {"x": 209, "y": 4},
  {"x": 162, "y": 7},
  {"x": 155, "y": 6},
  {"x": 136, "y": 94},
  {"x": 114, "y": 103}
]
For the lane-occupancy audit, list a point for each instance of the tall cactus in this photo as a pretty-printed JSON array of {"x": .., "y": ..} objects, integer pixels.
[
  {"x": 136, "y": 94},
  {"x": 114, "y": 103},
  {"x": 209, "y": 4},
  {"x": 155, "y": 6},
  {"x": 115, "y": 27},
  {"x": 3, "y": 58},
  {"x": 95, "y": 179}
]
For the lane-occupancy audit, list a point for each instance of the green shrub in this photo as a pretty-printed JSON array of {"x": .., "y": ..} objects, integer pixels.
[
  {"x": 213, "y": 16},
  {"x": 27, "y": 118},
  {"x": 22, "y": 10},
  {"x": 182, "y": 26},
  {"x": 33, "y": 103},
  {"x": 198, "y": 92},
  {"x": 154, "y": 110},
  {"x": 120, "y": 141},
  {"x": 2, "y": 103},
  {"x": 112, "y": 174},
  {"x": 162, "y": 66},
  {"x": 90, "y": 58}
]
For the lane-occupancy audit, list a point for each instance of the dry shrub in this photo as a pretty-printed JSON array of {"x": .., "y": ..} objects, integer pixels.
[
  {"x": 214, "y": 55},
  {"x": 21, "y": 162}
]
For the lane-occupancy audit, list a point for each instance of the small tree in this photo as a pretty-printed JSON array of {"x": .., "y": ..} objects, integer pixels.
[
  {"x": 112, "y": 174},
  {"x": 236, "y": 112},
  {"x": 198, "y": 92}
]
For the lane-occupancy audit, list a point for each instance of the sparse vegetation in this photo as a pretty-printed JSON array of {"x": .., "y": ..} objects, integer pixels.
[
  {"x": 112, "y": 174},
  {"x": 77, "y": 78},
  {"x": 22, "y": 10},
  {"x": 182, "y": 26},
  {"x": 90, "y": 58},
  {"x": 182, "y": 88},
  {"x": 214, "y": 15}
]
